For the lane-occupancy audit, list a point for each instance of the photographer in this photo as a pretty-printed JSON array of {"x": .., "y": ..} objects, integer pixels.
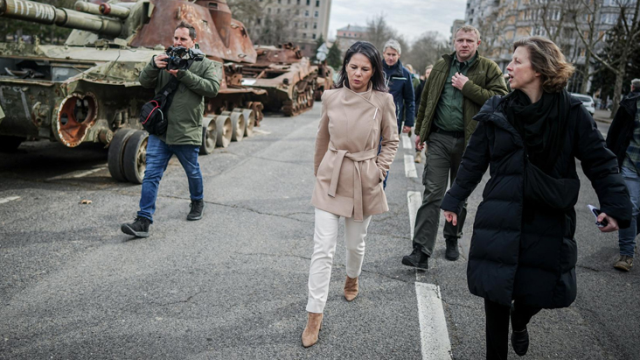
[{"x": 183, "y": 136}]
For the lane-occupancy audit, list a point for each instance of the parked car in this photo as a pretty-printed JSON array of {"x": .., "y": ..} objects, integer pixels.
[{"x": 587, "y": 101}]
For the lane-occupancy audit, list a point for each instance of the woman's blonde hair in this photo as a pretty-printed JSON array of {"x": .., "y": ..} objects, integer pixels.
[{"x": 547, "y": 59}]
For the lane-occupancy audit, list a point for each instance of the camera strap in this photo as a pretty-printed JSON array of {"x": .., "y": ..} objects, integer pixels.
[{"x": 168, "y": 91}]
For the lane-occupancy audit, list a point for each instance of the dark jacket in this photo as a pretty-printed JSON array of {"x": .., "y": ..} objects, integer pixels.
[
  {"x": 622, "y": 126},
  {"x": 185, "y": 114},
  {"x": 485, "y": 81},
  {"x": 419, "y": 93},
  {"x": 521, "y": 247},
  {"x": 400, "y": 86}
]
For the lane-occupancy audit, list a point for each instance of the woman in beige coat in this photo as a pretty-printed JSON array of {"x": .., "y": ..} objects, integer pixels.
[{"x": 356, "y": 143}]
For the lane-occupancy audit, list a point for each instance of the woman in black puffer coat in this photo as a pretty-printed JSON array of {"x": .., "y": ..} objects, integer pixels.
[{"x": 523, "y": 253}]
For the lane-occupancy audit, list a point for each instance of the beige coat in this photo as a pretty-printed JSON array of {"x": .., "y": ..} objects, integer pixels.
[{"x": 348, "y": 169}]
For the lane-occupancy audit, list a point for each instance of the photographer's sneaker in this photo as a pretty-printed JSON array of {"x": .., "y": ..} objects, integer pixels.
[
  {"x": 625, "y": 263},
  {"x": 197, "y": 209},
  {"x": 139, "y": 228}
]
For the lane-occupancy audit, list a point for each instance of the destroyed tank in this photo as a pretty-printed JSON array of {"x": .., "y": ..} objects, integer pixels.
[
  {"x": 87, "y": 90},
  {"x": 289, "y": 78}
]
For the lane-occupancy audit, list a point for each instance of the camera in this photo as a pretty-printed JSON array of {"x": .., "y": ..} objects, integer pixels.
[{"x": 181, "y": 58}]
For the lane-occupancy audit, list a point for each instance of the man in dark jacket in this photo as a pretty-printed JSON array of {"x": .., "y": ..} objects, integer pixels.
[
  {"x": 624, "y": 140},
  {"x": 400, "y": 85},
  {"x": 184, "y": 132},
  {"x": 458, "y": 86}
]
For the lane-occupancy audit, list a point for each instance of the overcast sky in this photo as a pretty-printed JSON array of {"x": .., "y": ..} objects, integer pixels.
[{"x": 409, "y": 17}]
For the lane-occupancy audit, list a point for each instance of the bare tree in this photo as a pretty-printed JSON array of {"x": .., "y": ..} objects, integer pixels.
[
  {"x": 626, "y": 45},
  {"x": 426, "y": 50}
]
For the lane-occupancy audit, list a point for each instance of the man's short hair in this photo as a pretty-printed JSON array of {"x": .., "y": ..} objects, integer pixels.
[
  {"x": 185, "y": 25},
  {"x": 392, "y": 44},
  {"x": 636, "y": 84},
  {"x": 467, "y": 28}
]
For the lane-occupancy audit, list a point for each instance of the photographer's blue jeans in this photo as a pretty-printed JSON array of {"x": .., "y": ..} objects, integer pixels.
[
  {"x": 158, "y": 156},
  {"x": 627, "y": 237}
]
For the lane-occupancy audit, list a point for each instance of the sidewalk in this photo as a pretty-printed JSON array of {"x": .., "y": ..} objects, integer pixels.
[{"x": 602, "y": 116}]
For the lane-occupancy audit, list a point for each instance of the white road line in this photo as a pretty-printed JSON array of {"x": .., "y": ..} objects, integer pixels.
[
  {"x": 261, "y": 132},
  {"x": 414, "y": 199},
  {"x": 76, "y": 174},
  {"x": 10, "y": 198},
  {"x": 406, "y": 142},
  {"x": 434, "y": 336},
  {"x": 410, "y": 166},
  {"x": 433, "y": 325}
]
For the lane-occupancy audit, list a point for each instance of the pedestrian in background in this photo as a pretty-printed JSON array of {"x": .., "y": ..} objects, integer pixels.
[
  {"x": 356, "y": 143},
  {"x": 523, "y": 252},
  {"x": 184, "y": 132},
  {"x": 624, "y": 140},
  {"x": 400, "y": 84},
  {"x": 419, "y": 90},
  {"x": 458, "y": 86}
]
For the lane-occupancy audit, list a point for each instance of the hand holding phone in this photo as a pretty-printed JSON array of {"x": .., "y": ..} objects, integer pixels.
[{"x": 596, "y": 212}]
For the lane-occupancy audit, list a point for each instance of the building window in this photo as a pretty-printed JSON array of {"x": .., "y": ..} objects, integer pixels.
[
  {"x": 303, "y": 47},
  {"x": 306, "y": 13},
  {"x": 258, "y": 21},
  {"x": 308, "y": 2},
  {"x": 313, "y": 36},
  {"x": 288, "y": 2},
  {"x": 315, "y": 14},
  {"x": 295, "y": 25},
  {"x": 315, "y": 25},
  {"x": 278, "y": 10},
  {"x": 279, "y": 1},
  {"x": 304, "y": 35},
  {"x": 306, "y": 25},
  {"x": 269, "y": 11},
  {"x": 297, "y": 2},
  {"x": 297, "y": 11},
  {"x": 288, "y": 11},
  {"x": 317, "y": 3}
]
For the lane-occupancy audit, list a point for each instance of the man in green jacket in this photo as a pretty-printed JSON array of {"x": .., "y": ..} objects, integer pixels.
[
  {"x": 184, "y": 131},
  {"x": 458, "y": 86}
]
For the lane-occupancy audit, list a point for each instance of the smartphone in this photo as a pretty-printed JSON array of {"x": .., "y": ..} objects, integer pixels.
[{"x": 596, "y": 212}]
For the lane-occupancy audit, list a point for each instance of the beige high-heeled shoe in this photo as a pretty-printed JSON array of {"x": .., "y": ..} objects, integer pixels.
[
  {"x": 350, "y": 288},
  {"x": 310, "y": 333}
]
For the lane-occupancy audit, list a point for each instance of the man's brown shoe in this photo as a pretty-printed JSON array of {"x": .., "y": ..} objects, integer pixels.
[
  {"x": 310, "y": 333},
  {"x": 418, "y": 158},
  {"x": 625, "y": 263},
  {"x": 350, "y": 288}
]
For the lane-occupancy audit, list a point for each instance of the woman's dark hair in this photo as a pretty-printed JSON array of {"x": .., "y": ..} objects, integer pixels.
[{"x": 367, "y": 49}]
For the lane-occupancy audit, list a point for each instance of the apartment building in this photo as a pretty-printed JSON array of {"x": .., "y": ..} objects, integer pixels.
[
  {"x": 307, "y": 20},
  {"x": 502, "y": 22},
  {"x": 348, "y": 35}
]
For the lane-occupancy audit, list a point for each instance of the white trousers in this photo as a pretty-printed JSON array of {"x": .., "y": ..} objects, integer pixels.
[{"x": 324, "y": 247}]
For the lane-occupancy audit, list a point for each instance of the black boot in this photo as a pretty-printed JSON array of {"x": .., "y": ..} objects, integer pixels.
[
  {"x": 417, "y": 259},
  {"x": 197, "y": 209},
  {"x": 452, "y": 252},
  {"x": 519, "y": 339},
  {"x": 139, "y": 228}
]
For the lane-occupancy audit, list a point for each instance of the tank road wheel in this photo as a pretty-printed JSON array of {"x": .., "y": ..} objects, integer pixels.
[
  {"x": 250, "y": 120},
  {"x": 10, "y": 143},
  {"x": 116, "y": 152},
  {"x": 223, "y": 124},
  {"x": 238, "y": 125},
  {"x": 209, "y": 137},
  {"x": 135, "y": 157},
  {"x": 287, "y": 108},
  {"x": 310, "y": 97}
]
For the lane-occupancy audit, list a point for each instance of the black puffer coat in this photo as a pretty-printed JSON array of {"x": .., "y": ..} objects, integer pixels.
[{"x": 521, "y": 247}]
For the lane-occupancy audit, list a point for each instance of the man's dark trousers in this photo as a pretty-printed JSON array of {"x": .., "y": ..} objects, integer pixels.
[{"x": 443, "y": 156}]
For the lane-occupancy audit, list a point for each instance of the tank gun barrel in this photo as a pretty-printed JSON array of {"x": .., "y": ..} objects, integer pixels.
[
  {"x": 114, "y": 10},
  {"x": 51, "y": 15}
]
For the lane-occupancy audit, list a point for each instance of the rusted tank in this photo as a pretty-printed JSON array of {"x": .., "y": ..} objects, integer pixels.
[
  {"x": 325, "y": 79},
  {"x": 289, "y": 78},
  {"x": 87, "y": 90}
]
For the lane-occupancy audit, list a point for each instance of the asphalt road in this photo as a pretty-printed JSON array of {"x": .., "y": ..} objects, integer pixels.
[{"x": 233, "y": 285}]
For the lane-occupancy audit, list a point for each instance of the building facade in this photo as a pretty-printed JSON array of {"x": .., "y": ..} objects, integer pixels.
[
  {"x": 457, "y": 24},
  {"x": 502, "y": 22},
  {"x": 306, "y": 20},
  {"x": 348, "y": 35}
]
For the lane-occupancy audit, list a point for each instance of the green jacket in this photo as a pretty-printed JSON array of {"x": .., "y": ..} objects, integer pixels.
[
  {"x": 185, "y": 114},
  {"x": 485, "y": 81}
]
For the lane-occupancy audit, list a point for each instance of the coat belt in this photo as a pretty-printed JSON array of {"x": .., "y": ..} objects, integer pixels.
[{"x": 357, "y": 158}]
